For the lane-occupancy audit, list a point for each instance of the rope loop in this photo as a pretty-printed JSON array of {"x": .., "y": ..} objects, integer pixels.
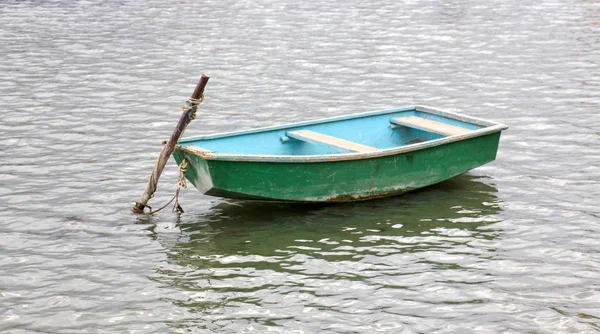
[
  {"x": 192, "y": 106},
  {"x": 181, "y": 183},
  {"x": 182, "y": 169},
  {"x": 193, "y": 103}
]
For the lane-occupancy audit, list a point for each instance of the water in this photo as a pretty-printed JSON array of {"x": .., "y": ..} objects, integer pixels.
[{"x": 89, "y": 89}]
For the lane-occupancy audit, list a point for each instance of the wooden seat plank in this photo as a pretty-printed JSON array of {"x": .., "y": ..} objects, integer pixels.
[
  {"x": 429, "y": 125},
  {"x": 315, "y": 137}
]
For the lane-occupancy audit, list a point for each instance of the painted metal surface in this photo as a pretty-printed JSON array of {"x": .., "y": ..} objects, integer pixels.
[{"x": 418, "y": 159}]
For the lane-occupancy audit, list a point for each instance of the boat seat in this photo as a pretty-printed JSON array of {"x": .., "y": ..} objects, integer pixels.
[
  {"x": 429, "y": 125},
  {"x": 315, "y": 137}
]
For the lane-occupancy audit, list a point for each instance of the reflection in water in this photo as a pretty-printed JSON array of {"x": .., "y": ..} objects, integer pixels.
[
  {"x": 88, "y": 90},
  {"x": 283, "y": 264}
]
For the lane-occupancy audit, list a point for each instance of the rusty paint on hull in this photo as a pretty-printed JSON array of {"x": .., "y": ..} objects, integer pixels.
[
  {"x": 351, "y": 198},
  {"x": 338, "y": 199}
]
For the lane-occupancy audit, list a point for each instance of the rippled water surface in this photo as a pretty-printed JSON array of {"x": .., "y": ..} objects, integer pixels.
[{"x": 89, "y": 89}]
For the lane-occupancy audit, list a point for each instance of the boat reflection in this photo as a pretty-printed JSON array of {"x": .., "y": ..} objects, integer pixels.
[
  {"x": 464, "y": 203},
  {"x": 261, "y": 258}
]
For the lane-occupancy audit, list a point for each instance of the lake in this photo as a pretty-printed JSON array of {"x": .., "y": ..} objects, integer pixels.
[{"x": 89, "y": 89}]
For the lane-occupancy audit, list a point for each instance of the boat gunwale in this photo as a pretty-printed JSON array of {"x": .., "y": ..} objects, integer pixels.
[{"x": 489, "y": 127}]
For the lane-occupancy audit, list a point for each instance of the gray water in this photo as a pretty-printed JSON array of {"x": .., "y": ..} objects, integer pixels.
[{"x": 89, "y": 89}]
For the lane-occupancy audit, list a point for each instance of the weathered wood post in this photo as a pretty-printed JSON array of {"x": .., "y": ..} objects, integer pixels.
[{"x": 188, "y": 114}]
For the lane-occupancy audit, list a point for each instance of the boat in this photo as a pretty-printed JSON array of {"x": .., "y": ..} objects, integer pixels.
[{"x": 341, "y": 159}]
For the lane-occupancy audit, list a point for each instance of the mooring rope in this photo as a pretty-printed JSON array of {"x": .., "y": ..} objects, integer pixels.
[
  {"x": 181, "y": 183},
  {"x": 189, "y": 113},
  {"x": 192, "y": 106},
  {"x": 195, "y": 101}
]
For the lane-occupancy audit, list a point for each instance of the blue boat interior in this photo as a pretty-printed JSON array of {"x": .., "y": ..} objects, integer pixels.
[{"x": 354, "y": 133}]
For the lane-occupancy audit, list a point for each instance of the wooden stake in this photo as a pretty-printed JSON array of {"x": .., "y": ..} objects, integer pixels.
[{"x": 167, "y": 150}]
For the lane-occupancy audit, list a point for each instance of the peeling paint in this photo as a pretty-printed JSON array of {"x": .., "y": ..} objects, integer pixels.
[{"x": 352, "y": 198}]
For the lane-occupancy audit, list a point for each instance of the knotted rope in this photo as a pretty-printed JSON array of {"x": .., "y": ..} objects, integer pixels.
[
  {"x": 192, "y": 107},
  {"x": 181, "y": 183}
]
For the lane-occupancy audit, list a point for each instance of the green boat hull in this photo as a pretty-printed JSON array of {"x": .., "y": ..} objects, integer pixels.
[{"x": 338, "y": 181}]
